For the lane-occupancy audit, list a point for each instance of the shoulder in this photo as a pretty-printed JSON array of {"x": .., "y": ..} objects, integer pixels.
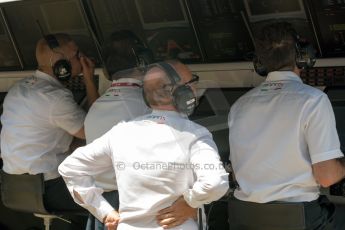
[
  {"x": 310, "y": 91},
  {"x": 196, "y": 129}
]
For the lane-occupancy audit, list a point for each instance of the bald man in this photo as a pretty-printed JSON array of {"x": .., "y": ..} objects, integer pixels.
[
  {"x": 159, "y": 159},
  {"x": 40, "y": 119}
]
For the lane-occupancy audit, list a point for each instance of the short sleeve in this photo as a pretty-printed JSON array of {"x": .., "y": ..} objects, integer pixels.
[
  {"x": 67, "y": 114},
  {"x": 320, "y": 131}
]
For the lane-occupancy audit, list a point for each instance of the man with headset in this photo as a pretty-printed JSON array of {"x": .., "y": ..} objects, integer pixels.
[
  {"x": 283, "y": 142},
  {"x": 122, "y": 101},
  {"x": 155, "y": 158},
  {"x": 40, "y": 117},
  {"x": 124, "y": 55}
]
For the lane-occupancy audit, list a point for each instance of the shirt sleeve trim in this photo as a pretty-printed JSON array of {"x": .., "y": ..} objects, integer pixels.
[{"x": 326, "y": 156}]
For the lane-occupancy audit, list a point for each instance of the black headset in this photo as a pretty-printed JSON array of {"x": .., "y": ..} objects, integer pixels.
[
  {"x": 62, "y": 68},
  {"x": 183, "y": 96},
  {"x": 305, "y": 56}
]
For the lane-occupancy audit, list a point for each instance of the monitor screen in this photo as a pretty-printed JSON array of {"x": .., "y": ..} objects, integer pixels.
[
  {"x": 55, "y": 23},
  {"x": 330, "y": 25},
  {"x": 54, "y": 17},
  {"x": 222, "y": 31},
  {"x": 268, "y": 9},
  {"x": 8, "y": 56},
  {"x": 161, "y": 13}
]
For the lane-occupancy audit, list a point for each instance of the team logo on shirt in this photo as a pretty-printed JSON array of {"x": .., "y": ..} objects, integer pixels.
[
  {"x": 31, "y": 81},
  {"x": 158, "y": 119},
  {"x": 269, "y": 86}
]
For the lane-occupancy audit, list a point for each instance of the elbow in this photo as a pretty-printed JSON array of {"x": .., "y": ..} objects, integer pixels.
[
  {"x": 325, "y": 181},
  {"x": 62, "y": 169},
  {"x": 218, "y": 187}
]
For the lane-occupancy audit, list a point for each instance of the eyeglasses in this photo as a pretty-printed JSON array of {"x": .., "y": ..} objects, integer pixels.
[{"x": 195, "y": 78}]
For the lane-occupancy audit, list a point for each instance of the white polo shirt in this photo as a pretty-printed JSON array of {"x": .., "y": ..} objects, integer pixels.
[
  {"x": 157, "y": 158},
  {"x": 39, "y": 116},
  {"x": 277, "y": 131},
  {"x": 123, "y": 101}
]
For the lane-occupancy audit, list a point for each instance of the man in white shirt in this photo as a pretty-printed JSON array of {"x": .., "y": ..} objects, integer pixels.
[
  {"x": 123, "y": 101},
  {"x": 40, "y": 117},
  {"x": 283, "y": 143},
  {"x": 155, "y": 157}
]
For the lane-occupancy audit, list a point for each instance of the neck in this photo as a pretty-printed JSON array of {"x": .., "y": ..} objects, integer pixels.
[
  {"x": 297, "y": 71},
  {"x": 46, "y": 70},
  {"x": 164, "y": 107}
]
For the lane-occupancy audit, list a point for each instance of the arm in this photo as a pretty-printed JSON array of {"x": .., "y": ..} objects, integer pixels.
[
  {"x": 88, "y": 74},
  {"x": 329, "y": 172},
  {"x": 78, "y": 170},
  {"x": 211, "y": 179},
  {"x": 67, "y": 115}
]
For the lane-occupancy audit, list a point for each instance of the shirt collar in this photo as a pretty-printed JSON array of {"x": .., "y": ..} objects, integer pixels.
[
  {"x": 283, "y": 76},
  {"x": 127, "y": 80},
  {"x": 168, "y": 113},
  {"x": 47, "y": 77}
]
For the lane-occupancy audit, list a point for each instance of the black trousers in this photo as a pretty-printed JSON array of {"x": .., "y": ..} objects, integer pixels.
[
  {"x": 58, "y": 199},
  {"x": 314, "y": 215}
]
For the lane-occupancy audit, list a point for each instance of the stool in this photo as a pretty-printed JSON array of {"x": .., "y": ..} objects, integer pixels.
[{"x": 25, "y": 193}]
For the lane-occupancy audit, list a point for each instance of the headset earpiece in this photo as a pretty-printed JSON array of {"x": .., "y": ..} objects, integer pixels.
[
  {"x": 259, "y": 67},
  {"x": 305, "y": 54},
  {"x": 62, "y": 68}
]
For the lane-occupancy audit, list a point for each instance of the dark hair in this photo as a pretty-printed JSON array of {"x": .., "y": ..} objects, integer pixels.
[
  {"x": 124, "y": 50},
  {"x": 275, "y": 46}
]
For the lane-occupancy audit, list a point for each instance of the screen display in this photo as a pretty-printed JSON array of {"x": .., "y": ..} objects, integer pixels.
[
  {"x": 153, "y": 11},
  {"x": 162, "y": 26},
  {"x": 54, "y": 17},
  {"x": 222, "y": 30},
  {"x": 330, "y": 25},
  {"x": 8, "y": 56},
  {"x": 260, "y": 7}
]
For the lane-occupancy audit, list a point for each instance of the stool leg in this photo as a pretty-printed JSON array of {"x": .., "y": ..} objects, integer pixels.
[{"x": 47, "y": 222}]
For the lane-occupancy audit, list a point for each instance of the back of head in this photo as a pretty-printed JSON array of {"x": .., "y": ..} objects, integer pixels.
[
  {"x": 43, "y": 49},
  {"x": 121, "y": 51},
  {"x": 275, "y": 47},
  {"x": 165, "y": 87}
]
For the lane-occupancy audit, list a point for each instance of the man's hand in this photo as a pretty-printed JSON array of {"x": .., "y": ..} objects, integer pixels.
[
  {"x": 176, "y": 214},
  {"x": 88, "y": 67},
  {"x": 112, "y": 220}
]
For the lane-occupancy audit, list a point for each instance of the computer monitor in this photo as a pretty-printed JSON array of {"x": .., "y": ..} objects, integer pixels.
[
  {"x": 259, "y": 10},
  {"x": 56, "y": 22},
  {"x": 330, "y": 25},
  {"x": 163, "y": 13}
]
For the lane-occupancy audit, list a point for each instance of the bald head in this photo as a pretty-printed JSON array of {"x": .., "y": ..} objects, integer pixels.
[
  {"x": 44, "y": 54},
  {"x": 158, "y": 87}
]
